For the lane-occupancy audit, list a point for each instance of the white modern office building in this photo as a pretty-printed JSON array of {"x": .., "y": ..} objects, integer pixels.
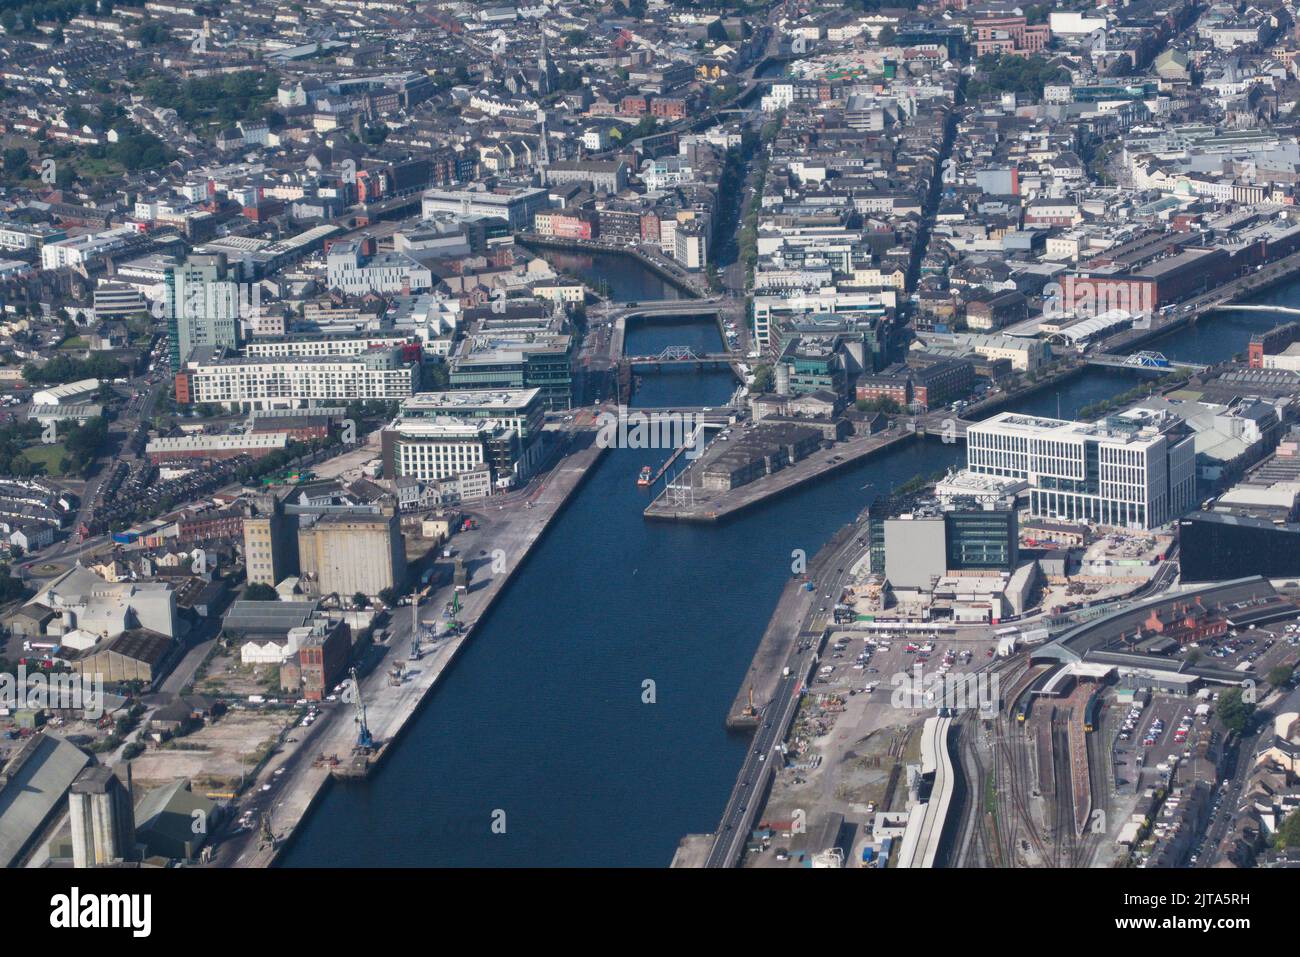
[
  {"x": 441, "y": 435},
  {"x": 1134, "y": 470},
  {"x": 357, "y": 274}
]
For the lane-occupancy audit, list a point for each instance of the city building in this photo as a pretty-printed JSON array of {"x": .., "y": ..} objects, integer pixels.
[
  {"x": 515, "y": 206},
  {"x": 345, "y": 554},
  {"x": 295, "y": 382},
  {"x": 184, "y": 448},
  {"x": 439, "y": 435},
  {"x": 1131, "y": 471},
  {"x": 321, "y": 650},
  {"x": 270, "y": 541},
  {"x": 353, "y": 269},
  {"x": 203, "y": 306}
]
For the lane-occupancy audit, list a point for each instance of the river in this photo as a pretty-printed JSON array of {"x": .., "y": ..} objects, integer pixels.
[
  {"x": 543, "y": 716},
  {"x": 624, "y": 279}
]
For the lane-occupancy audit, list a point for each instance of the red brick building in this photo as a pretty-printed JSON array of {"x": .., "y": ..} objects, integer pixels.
[
  {"x": 1009, "y": 35},
  {"x": 320, "y": 663},
  {"x": 633, "y": 106},
  {"x": 1185, "y": 622},
  {"x": 214, "y": 525},
  {"x": 299, "y": 428},
  {"x": 670, "y": 108}
]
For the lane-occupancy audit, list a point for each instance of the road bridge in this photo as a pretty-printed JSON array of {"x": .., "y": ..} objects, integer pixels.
[{"x": 673, "y": 307}]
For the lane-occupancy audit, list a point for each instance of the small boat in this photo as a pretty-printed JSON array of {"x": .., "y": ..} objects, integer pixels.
[{"x": 644, "y": 478}]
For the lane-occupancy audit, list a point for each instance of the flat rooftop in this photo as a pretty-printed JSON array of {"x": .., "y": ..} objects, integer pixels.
[{"x": 504, "y": 400}]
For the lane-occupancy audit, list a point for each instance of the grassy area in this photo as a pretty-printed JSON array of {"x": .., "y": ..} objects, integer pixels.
[
  {"x": 73, "y": 342},
  {"x": 91, "y": 168},
  {"x": 48, "y": 455}
]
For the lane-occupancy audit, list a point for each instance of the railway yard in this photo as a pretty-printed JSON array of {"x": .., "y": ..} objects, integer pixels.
[{"x": 1067, "y": 769}]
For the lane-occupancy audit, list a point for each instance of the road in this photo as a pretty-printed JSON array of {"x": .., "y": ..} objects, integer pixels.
[
  {"x": 138, "y": 409},
  {"x": 743, "y": 805},
  {"x": 1217, "y": 829}
]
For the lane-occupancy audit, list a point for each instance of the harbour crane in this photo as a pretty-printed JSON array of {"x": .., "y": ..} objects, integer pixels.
[{"x": 364, "y": 741}]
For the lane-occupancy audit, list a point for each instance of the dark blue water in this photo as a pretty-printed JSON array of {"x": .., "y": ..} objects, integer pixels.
[
  {"x": 1223, "y": 334},
  {"x": 670, "y": 384},
  {"x": 1069, "y": 397},
  {"x": 625, "y": 279},
  {"x": 542, "y": 717}
]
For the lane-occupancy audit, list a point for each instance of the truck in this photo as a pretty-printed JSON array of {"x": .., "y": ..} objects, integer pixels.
[{"x": 785, "y": 672}]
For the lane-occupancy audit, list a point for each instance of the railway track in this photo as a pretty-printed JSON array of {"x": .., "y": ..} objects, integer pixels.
[
  {"x": 1099, "y": 773},
  {"x": 976, "y": 844},
  {"x": 1016, "y": 761},
  {"x": 1064, "y": 837}
]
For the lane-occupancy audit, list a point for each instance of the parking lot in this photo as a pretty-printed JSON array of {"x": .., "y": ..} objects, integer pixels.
[{"x": 853, "y": 660}]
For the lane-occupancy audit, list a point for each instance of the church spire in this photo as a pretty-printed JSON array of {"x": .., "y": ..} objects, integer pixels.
[{"x": 543, "y": 147}]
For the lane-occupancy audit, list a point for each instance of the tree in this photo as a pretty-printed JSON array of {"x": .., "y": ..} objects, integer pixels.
[
  {"x": 882, "y": 404},
  {"x": 887, "y": 35},
  {"x": 764, "y": 379},
  {"x": 1288, "y": 835},
  {"x": 359, "y": 600},
  {"x": 1009, "y": 73},
  {"x": 259, "y": 591},
  {"x": 11, "y": 588},
  {"x": 1280, "y": 675},
  {"x": 1234, "y": 712},
  {"x": 16, "y": 160}
]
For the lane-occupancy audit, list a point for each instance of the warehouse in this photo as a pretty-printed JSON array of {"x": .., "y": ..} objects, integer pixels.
[{"x": 185, "y": 448}]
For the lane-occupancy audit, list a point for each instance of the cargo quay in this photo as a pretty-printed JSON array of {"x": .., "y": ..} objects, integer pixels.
[
  {"x": 687, "y": 494},
  {"x": 397, "y": 681}
]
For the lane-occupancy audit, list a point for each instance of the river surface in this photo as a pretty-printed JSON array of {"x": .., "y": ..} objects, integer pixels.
[
  {"x": 623, "y": 278},
  {"x": 543, "y": 718}
]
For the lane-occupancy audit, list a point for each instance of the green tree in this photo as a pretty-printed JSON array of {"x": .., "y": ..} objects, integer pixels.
[
  {"x": 1009, "y": 73},
  {"x": 1234, "y": 712},
  {"x": 1288, "y": 834},
  {"x": 882, "y": 404},
  {"x": 259, "y": 591},
  {"x": 16, "y": 161},
  {"x": 764, "y": 379}
]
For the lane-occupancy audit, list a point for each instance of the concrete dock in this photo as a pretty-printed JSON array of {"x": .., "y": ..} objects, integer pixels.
[
  {"x": 696, "y": 504},
  {"x": 513, "y": 524},
  {"x": 793, "y": 623}
]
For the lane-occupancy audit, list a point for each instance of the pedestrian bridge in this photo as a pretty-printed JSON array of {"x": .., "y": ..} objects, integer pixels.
[
  {"x": 683, "y": 355},
  {"x": 1151, "y": 361}
]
